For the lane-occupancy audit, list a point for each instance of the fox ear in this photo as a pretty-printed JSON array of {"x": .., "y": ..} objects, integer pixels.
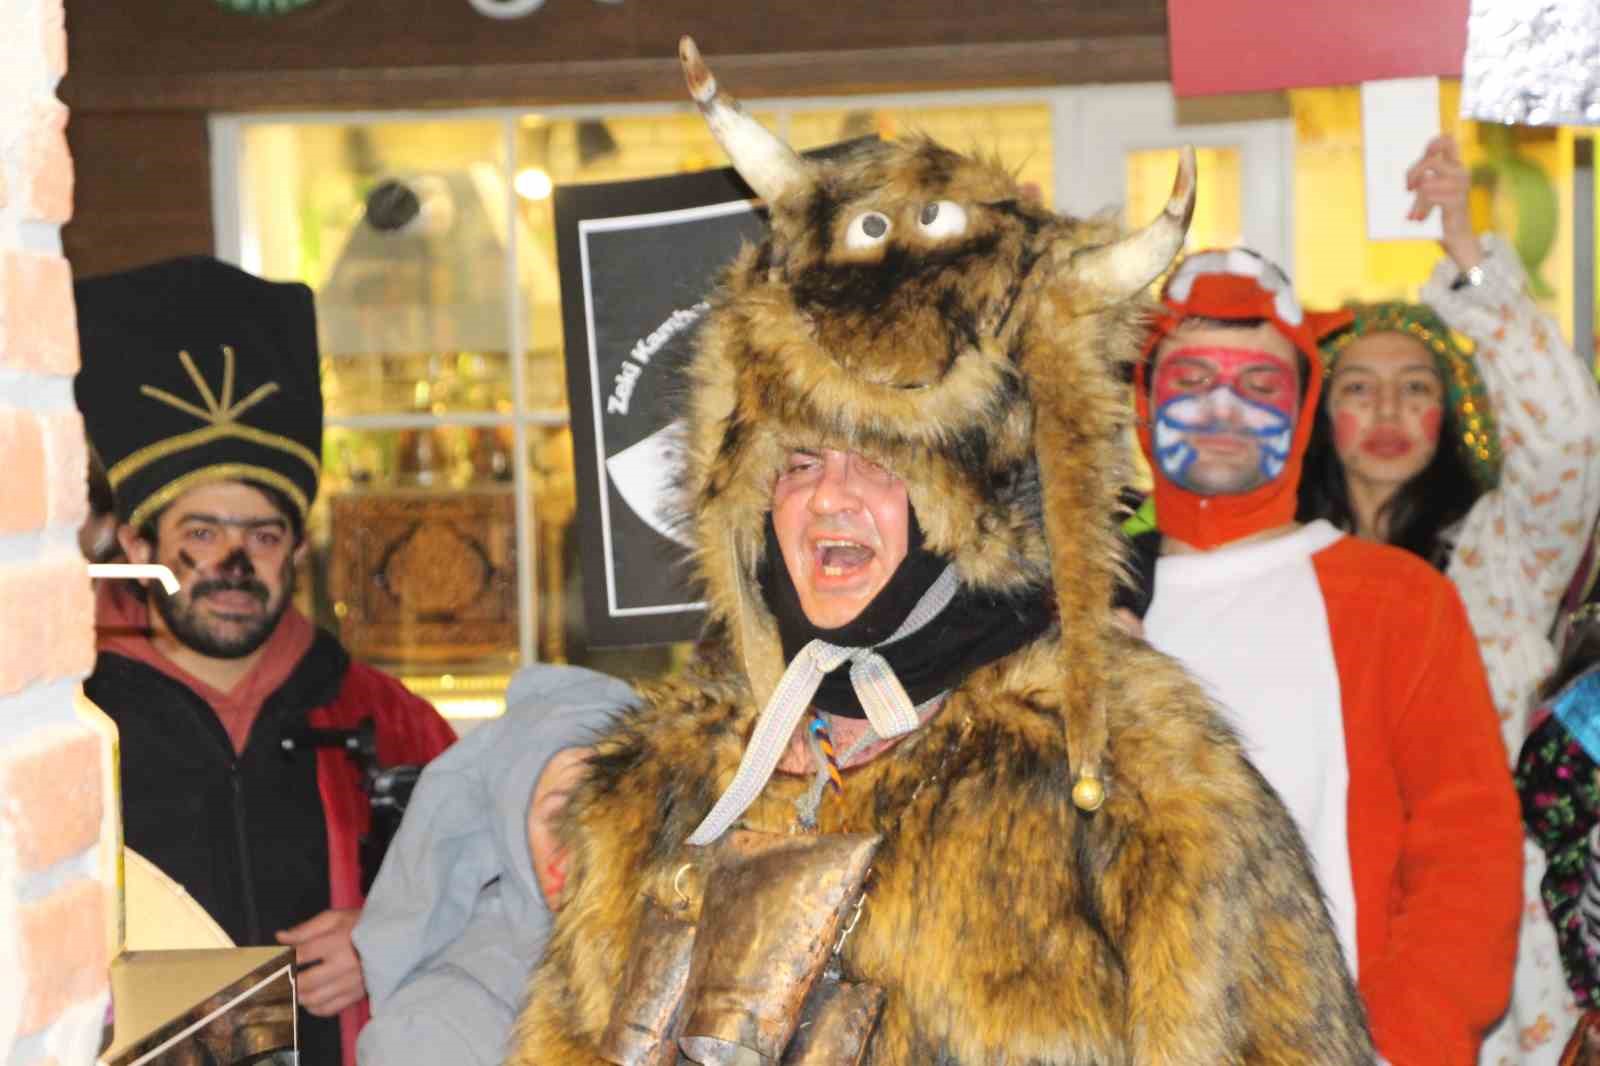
[{"x": 1325, "y": 324}]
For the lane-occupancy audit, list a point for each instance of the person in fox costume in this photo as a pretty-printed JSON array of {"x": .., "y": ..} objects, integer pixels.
[
  {"x": 1349, "y": 668},
  {"x": 907, "y": 433}
]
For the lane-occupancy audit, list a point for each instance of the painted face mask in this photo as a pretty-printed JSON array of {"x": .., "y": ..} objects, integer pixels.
[
  {"x": 1224, "y": 417},
  {"x": 1195, "y": 500}
]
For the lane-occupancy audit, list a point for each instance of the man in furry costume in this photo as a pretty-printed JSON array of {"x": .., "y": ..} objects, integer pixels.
[{"x": 1076, "y": 862}]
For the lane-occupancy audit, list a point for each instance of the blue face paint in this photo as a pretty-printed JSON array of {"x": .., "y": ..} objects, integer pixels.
[{"x": 1235, "y": 406}]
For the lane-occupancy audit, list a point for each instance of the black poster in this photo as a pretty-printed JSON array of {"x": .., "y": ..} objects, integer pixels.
[{"x": 637, "y": 260}]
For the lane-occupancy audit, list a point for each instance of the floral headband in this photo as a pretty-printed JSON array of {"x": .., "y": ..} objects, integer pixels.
[{"x": 1479, "y": 441}]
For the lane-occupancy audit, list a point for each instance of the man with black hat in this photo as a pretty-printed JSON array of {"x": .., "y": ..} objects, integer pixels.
[{"x": 200, "y": 393}]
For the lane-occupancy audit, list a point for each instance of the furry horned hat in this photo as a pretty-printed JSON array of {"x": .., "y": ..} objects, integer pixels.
[{"x": 911, "y": 305}]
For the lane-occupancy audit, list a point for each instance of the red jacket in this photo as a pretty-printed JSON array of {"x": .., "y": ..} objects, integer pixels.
[
  {"x": 1432, "y": 834},
  {"x": 1435, "y": 829},
  {"x": 409, "y": 731}
]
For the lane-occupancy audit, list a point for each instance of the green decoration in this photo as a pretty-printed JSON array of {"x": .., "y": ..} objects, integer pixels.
[
  {"x": 1141, "y": 521},
  {"x": 1533, "y": 199},
  {"x": 263, "y": 7}
]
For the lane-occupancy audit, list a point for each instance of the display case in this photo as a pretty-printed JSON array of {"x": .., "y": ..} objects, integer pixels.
[{"x": 421, "y": 576}]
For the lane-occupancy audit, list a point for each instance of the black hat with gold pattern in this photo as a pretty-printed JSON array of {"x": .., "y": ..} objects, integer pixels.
[{"x": 193, "y": 372}]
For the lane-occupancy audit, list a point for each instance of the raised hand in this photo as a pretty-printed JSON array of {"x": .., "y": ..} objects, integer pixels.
[{"x": 1439, "y": 179}]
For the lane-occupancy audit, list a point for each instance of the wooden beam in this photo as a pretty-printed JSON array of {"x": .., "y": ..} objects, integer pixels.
[
  {"x": 880, "y": 70},
  {"x": 143, "y": 189}
]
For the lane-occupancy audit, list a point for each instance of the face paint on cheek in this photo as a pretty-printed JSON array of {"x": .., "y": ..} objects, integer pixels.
[
  {"x": 1239, "y": 392},
  {"x": 1173, "y": 452},
  {"x": 1431, "y": 418},
  {"x": 186, "y": 561},
  {"x": 1346, "y": 431},
  {"x": 1180, "y": 406}
]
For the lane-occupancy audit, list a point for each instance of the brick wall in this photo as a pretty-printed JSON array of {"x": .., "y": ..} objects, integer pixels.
[{"x": 57, "y": 818}]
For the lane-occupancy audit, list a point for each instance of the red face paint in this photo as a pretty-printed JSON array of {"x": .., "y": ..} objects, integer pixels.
[
  {"x": 1430, "y": 424},
  {"x": 554, "y": 880},
  {"x": 1257, "y": 376},
  {"x": 1346, "y": 431}
]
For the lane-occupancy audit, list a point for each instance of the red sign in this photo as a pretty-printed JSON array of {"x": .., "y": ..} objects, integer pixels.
[{"x": 1241, "y": 46}]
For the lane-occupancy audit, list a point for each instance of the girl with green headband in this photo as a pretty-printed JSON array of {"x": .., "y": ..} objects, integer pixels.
[
  {"x": 1405, "y": 440},
  {"x": 1481, "y": 461}
]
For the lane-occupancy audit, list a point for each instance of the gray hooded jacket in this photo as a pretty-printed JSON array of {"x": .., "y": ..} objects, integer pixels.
[{"x": 455, "y": 921}]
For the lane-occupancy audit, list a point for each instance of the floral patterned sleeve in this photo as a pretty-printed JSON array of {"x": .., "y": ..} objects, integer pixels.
[
  {"x": 1522, "y": 541},
  {"x": 1556, "y": 781}
]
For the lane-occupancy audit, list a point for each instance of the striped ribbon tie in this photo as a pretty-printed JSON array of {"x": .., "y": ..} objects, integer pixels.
[
  {"x": 819, "y": 733},
  {"x": 888, "y": 708}
]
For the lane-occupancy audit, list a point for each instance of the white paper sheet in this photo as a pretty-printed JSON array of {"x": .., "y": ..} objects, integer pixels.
[{"x": 1398, "y": 119}]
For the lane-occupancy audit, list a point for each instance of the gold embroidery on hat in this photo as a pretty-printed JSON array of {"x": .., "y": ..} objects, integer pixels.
[
  {"x": 151, "y": 453},
  {"x": 215, "y": 412},
  {"x": 218, "y": 472},
  {"x": 221, "y": 417}
]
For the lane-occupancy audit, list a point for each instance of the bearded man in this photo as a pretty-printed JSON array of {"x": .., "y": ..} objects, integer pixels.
[
  {"x": 200, "y": 393},
  {"x": 905, "y": 424}
]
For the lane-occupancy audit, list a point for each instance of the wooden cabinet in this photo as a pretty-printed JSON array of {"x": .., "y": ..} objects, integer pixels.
[{"x": 425, "y": 577}]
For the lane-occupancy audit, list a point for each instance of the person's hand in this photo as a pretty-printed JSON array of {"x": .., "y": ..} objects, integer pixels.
[
  {"x": 328, "y": 968},
  {"x": 1439, "y": 179},
  {"x": 561, "y": 775}
]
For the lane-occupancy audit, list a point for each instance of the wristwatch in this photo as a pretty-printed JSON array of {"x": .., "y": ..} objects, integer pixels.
[{"x": 1471, "y": 277}]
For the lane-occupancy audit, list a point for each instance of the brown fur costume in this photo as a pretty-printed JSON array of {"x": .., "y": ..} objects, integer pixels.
[{"x": 1177, "y": 923}]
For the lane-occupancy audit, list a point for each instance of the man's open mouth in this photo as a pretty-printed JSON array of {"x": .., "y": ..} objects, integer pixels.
[{"x": 839, "y": 558}]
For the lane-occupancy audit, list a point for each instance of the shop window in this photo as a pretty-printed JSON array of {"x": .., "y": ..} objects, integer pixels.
[{"x": 444, "y": 537}]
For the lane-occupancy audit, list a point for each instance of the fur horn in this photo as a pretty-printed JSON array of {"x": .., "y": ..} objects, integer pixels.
[
  {"x": 1113, "y": 272},
  {"x": 767, "y": 165}
]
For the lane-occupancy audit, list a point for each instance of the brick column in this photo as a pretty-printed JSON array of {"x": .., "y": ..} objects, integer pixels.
[{"x": 57, "y": 818}]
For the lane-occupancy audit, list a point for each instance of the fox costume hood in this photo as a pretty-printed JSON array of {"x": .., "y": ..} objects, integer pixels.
[{"x": 1069, "y": 860}]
